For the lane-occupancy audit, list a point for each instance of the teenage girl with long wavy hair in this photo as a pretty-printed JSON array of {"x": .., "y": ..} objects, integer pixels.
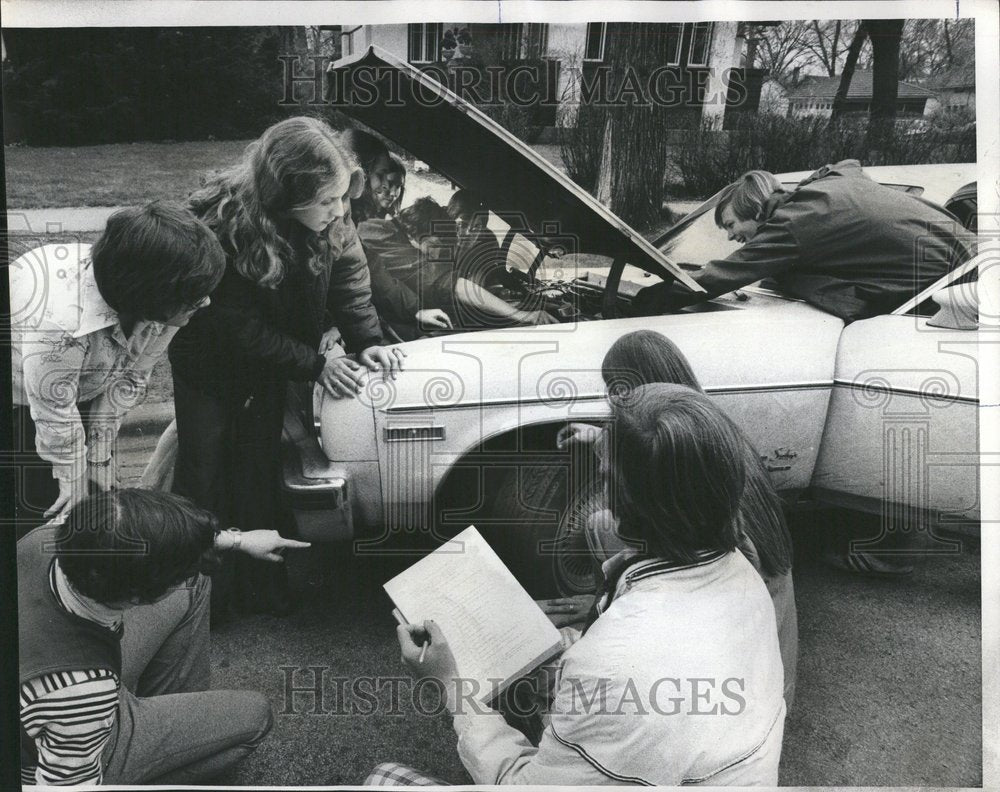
[{"x": 295, "y": 269}]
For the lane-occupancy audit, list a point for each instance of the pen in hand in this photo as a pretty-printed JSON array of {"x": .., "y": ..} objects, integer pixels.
[{"x": 427, "y": 641}]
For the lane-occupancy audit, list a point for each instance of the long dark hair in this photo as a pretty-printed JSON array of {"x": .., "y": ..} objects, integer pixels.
[
  {"x": 643, "y": 357},
  {"x": 676, "y": 472},
  {"x": 369, "y": 150}
]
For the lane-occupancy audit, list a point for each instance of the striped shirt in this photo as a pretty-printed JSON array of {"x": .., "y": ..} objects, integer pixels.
[{"x": 70, "y": 714}]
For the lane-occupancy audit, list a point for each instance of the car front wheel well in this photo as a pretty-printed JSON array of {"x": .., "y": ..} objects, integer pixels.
[{"x": 530, "y": 501}]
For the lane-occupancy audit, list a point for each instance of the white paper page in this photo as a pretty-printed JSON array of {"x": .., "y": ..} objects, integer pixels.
[{"x": 494, "y": 628}]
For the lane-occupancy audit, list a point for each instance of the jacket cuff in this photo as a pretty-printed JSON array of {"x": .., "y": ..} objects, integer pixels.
[
  {"x": 70, "y": 471},
  {"x": 360, "y": 345},
  {"x": 318, "y": 365}
]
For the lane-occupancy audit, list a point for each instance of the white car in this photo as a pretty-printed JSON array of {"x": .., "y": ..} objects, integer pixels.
[{"x": 880, "y": 415}]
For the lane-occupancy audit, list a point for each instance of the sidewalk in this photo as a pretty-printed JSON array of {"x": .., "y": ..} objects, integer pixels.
[
  {"x": 76, "y": 219},
  {"x": 62, "y": 220},
  {"x": 138, "y": 436},
  {"x": 79, "y": 219}
]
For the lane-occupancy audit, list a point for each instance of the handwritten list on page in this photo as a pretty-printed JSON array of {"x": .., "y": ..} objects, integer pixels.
[{"x": 496, "y": 631}]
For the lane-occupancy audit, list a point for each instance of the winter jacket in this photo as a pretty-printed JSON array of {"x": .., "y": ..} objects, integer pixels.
[
  {"x": 430, "y": 277},
  {"x": 250, "y": 333},
  {"x": 847, "y": 245}
]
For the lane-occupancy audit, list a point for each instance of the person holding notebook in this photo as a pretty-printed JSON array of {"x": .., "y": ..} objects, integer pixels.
[
  {"x": 678, "y": 680},
  {"x": 645, "y": 356}
]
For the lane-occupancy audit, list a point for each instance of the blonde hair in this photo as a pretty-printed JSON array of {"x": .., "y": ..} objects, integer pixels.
[
  {"x": 247, "y": 205},
  {"x": 749, "y": 195}
]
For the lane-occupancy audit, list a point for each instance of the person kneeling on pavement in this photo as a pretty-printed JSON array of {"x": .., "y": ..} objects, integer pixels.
[
  {"x": 678, "y": 679},
  {"x": 113, "y": 620}
]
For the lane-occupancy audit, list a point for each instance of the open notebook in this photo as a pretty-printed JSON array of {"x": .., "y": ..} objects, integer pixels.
[{"x": 494, "y": 628}]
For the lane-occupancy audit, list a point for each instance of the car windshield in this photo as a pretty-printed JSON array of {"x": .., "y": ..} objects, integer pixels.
[
  {"x": 691, "y": 247},
  {"x": 702, "y": 241}
]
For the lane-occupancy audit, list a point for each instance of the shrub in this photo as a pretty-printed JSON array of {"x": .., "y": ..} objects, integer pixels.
[
  {"x": 523, "y": 122},
  {"x": 711, "y": 159},
  {"x": 525, "y": 119},
  {"x": 581, "y": 146}
]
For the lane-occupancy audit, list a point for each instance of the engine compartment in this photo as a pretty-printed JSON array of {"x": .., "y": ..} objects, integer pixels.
[{"x": 577, "y": 300}]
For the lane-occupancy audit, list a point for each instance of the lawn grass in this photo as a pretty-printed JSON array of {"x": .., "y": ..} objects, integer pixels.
[{"x": 116, "y": 175}]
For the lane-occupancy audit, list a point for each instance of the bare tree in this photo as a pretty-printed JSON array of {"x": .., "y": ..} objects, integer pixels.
[
  {"x": 780, "y": 47},
  {"x": 827, "y": 42},
  {"x": 853, "y": 52},
  {"x": 924, "y": 48},
  {"x": 294, "y": 40},
  {"x": 822, "y": 43},
  {"x": 958, "y": 39}
]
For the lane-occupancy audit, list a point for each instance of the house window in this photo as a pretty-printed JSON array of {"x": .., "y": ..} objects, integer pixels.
[
  {"x": 509, "y": 38},
  {"x": 537, "y": 43},
  {"x": 596, "y": 33},
  {"x": 701, "y": 41},
  {"x": 672, "y": 57},
  {"x": 424, "y": 42},
  {"x": 522, "y": 41}
]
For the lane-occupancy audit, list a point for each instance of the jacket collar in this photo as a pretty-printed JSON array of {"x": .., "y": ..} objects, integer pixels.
[
  {"x": 95, "y": 313},
  {"x": 772, "y": 204},
  {"x": 627, "y": 568},
  {"x": 79, "y": 605}
]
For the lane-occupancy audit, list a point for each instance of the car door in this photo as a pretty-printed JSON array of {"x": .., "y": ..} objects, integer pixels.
[{"x": 902, "y": 431}]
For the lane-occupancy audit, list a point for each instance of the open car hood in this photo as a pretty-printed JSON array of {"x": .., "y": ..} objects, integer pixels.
[{"x": 435, "y": 125}]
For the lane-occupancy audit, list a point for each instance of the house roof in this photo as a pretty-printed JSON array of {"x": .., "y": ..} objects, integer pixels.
[
  {"x": 959, "y": 78},
  {"x": 816, "y": 87}
]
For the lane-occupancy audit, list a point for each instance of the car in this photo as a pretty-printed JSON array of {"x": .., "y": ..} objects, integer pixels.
[{"x": 879, "y": 415}]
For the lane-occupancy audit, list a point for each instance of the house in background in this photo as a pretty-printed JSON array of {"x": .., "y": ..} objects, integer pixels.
[
  {"x": 954, "y": 90},
  {"x": 701, "y": 54},
  {"x": 773, "y": 97},
  {"x": 813, "y": 96}
]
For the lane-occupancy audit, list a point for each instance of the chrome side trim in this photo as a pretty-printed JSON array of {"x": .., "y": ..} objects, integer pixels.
[
  {"x": 410, "y": 434},
  {"x": 584, "y": 397},
  {"x": 872, "y": 388}
]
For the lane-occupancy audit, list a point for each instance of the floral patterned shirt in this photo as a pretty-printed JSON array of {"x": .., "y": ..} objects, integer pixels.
[{"x": 68, "y": 348}]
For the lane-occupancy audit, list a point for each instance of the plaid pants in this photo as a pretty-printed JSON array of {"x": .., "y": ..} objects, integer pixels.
[{"x": 392, "y": 774}]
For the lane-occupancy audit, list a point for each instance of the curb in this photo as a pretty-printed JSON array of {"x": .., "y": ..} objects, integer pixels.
[
  {"x": 147, "y": 419},
  {"x": 59, "y": 220}
]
